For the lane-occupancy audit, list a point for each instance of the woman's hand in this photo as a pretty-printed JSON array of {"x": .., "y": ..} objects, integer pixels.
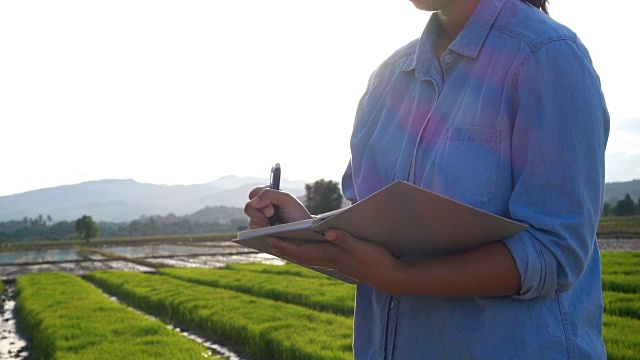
[
  {"x": 260, "y": 208},
  {"x": 364, "y": 261}
]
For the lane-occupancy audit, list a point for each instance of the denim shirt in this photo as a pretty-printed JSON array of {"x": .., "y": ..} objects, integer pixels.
[{"x": 512, "y": 120}]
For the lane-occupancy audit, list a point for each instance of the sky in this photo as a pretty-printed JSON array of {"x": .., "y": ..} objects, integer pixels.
[{"x": 185, "y": 92}]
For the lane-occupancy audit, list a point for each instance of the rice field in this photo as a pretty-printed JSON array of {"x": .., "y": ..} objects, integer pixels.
[
  {"x": 262, "y": 311},
  {"x": 65, "y": 317},
  {"x": 262, "y": 327},
  {"x": 316, "y": 293},
  {"x": 621, "y": 292}
]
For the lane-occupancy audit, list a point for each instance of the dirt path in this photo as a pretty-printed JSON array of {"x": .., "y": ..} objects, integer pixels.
[{"x": 619, "y": 244}]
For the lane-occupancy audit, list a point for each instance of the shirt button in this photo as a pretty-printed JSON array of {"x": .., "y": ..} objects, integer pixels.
[{"x": 448, "y": 58}]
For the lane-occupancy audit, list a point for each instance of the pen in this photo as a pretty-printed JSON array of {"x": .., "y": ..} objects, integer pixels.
[{"x": 274, "y": 184}]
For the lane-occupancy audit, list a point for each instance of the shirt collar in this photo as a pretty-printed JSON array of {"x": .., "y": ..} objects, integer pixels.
[{"x": 468, "y": 43}]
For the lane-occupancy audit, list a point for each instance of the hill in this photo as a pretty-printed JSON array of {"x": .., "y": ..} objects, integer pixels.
[
  {"x": 615, "y": 192},
  {"x": 121, "y": 200},
  {"x": 118, "y": 200}
]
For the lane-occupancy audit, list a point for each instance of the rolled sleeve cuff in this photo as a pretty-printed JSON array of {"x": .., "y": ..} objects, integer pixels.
[{"x": 537, "y": 266}]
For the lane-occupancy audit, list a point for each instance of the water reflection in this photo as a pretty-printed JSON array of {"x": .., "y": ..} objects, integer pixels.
[
  {"x": 216, "y": 261},
  {"x": 79, "y": 262},
  {"x": 12, "y": 345},
  {"x": 12, "y": 272},
  {"x": 171, "y": 250},
  {"x": 45, "y": 255}
]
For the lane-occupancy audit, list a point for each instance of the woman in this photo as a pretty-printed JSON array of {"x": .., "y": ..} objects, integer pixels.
[{"x": 498, "y": 106}]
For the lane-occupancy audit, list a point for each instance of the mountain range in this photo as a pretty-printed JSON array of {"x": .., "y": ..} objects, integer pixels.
[
  {"x": 616, "y": 191},
  {"x": 120, "y": 200}
]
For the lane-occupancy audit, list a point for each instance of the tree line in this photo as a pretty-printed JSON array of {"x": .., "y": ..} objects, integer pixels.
[
  {"x": 624, "y": 207},
  {"x": 43, "y": 228},
  {"x": 321, "y": 196}
]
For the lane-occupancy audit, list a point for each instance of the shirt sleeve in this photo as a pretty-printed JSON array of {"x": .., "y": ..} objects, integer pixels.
[
  {"x": 348, "y": 188},
  {"x": 559, "y": 137}
]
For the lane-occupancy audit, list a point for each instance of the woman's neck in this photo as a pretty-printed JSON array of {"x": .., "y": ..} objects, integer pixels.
[{"x": 453, "y": 17}]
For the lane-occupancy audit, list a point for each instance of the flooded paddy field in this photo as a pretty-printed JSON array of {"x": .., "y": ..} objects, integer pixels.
[
  {"x": 205, "y": 255},
  {"x": 82, "y": 260},
  {"x": 144, "y": 258},
  {"x": 45, "y": 255}
]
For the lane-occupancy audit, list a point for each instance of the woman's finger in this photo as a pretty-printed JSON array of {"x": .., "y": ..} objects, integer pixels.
[
  {"x": 322, "y": 254},
  {"x": 256, "y": 190},
  {"x": 259, "y": 217}
]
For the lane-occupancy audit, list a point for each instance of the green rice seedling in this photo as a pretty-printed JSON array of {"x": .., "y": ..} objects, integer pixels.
[
  {"x": 324, "y": 294},
  {"x": 621, "y": 304},
  {"x": 290, "y": 269},
  {"x": 621, "y": 337},
  {"x": 622, "y": 283},
  {"x": 620, "y": 263},
  {"x": 264, "y": 328},
  {"x": 67, "y": 318}
]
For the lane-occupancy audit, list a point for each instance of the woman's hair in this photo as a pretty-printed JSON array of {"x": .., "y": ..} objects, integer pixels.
[{"x": 540, "y": 4}]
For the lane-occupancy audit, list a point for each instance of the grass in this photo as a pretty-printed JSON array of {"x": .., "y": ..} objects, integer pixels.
[
  {"x": 621, "y": 337},
  {"x": 264, "y": 328},
  {"x": 323, "y": 294},
  {"x": 621, "y": 283},
  {"x": 621, "y": 304},
  {"x": 621, "y": 272},
  {"x": 620, "y": 263},
  {"x": 621, "y": 293},
  {"x": 287, "y": 269},
  {"x": 65, "y": 317},
  {"x": 202, "y": 299}
]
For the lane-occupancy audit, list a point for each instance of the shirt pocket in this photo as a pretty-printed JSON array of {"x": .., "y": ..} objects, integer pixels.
[{"x": 466, "y": 164}]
